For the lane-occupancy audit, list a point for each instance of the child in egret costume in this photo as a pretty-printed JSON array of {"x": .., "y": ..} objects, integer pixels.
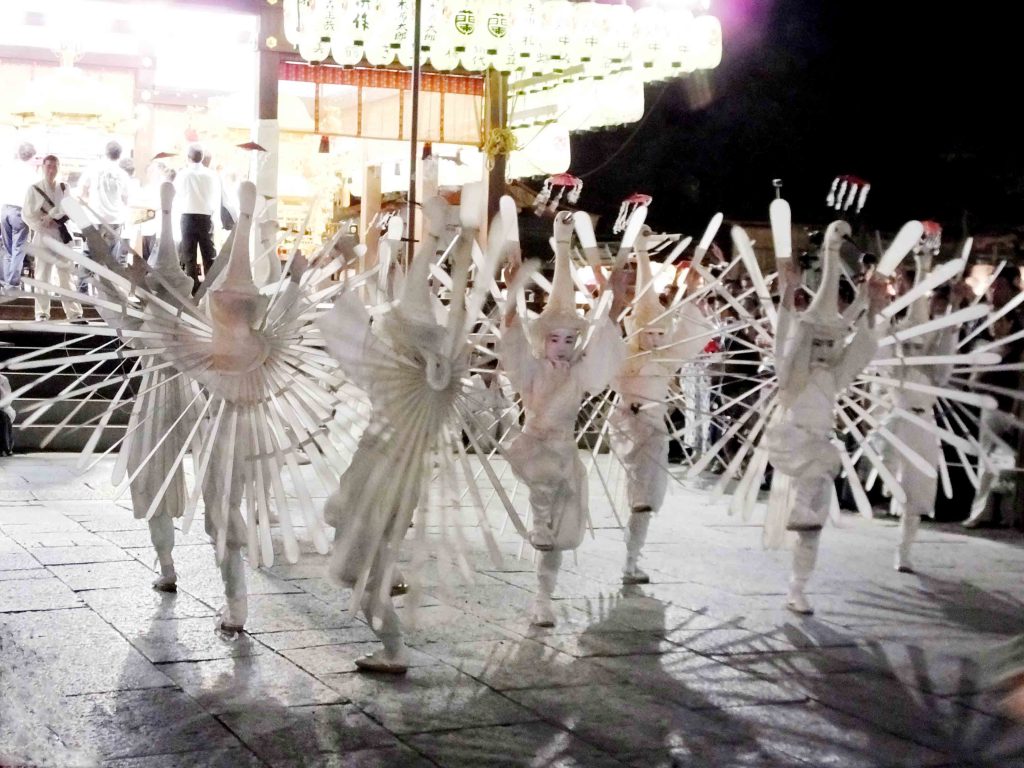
[
  {"x": 814, "y": 363},
  {"x": 552, "y": 372},
  {"x": 660, "y": 341},
  {"x": 913, "y": 418}
]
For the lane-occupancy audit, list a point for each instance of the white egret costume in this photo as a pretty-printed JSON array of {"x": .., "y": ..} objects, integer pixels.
[
  {"x": 155, "y": 433},
  {"x": 814, "y": 363},
  {"x": 660, "y": 342},
  {"x": 544, "y": 456},
  {"x": 911, "y": 407},
  {"x": 411, "y": 363}
]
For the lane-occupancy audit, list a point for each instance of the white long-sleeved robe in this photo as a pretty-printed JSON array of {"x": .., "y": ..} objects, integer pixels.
[
  {"x": 799, "y": 442},
  {"x": 639, "y": 431},
  {"x": 545, "y": 456}
]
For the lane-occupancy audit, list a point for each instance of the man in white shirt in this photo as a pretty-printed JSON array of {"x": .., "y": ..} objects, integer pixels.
[
  {"x": 197, "y": 198},
  {"x": 42, "y": 212},
  {"x": 104, "y": 188},
  {"x": 16, "y": 178}
]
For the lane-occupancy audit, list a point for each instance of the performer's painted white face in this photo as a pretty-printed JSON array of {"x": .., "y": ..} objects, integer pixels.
[
  {"x": 823, "y": 351},
  {"x": 650, "y": 339},
  {"x": 559, "y": 345}
]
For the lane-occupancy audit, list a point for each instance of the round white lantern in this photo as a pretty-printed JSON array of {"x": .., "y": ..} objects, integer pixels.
[
  {"x": 544, "y": 151},
  {"x": 707, "y": 42}
]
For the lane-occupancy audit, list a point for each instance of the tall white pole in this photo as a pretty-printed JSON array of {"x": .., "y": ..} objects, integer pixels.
[{"x": 414, "y": 138}]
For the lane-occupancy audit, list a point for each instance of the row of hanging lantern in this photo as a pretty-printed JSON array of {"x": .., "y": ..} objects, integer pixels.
[{"x": 658, "y": 41}]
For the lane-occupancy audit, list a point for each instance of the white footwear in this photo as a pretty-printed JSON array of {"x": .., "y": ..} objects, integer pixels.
[
  {"x": 633, "y": 575},
  {"x": 166, "y": 582},
  {"x": 542, "y": 539},
  {"x": 381, "y": 661},
  {"x": 542, "y": 614},
  {"x": 797, "y": 603},
  {"x": 903, "y": 564},
  {"x": 228, "y": 623}
]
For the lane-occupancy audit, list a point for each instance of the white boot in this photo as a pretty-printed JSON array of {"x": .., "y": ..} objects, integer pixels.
[
  {"x": 161, "y": 533},
  {"x": 236, "y": 610},
  {"x": 167, "y": 581},
  {"x": 636, "y": 535},
  {"x": 393, "y": 658},
  {"x": 805, "y": 553},
  {"x": 909, "y": 524},
  {"x": 542, "y": 614}
]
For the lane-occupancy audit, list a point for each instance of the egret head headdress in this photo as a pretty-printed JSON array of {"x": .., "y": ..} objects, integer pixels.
[
  {"x": 415, "y": 322},
  {"x": 647, "y": 313},
  {"x": 560, "y": 310},
  {"x": 164, "y": 260},
  {"x": 821, "y": 323}
]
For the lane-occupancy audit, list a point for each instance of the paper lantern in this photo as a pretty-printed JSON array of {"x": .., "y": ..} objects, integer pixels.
[
  {"x": 707, "y": 41},
  {"x": 650, "y": 46},
  {"x": 555, "y": 36},
  {"x": 543, "y": 151},
  {"x": 680, "y": 58},
  {"x": 621, "y": 25},
  {"x": 315, "y": 49},
  {"x": 380, "y": 44},
  {"x": 430, "y": 19},
  {"x": 348, "y": 39},
  {"x": 496, "y": 29},
  {"x": 590, "y": 33}
]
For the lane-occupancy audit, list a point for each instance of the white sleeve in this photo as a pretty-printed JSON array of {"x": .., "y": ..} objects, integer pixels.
[
  {"x": 602, "y": 358},
  {"x": 517, "y": 360},
  {"x": 857, "y": 355},
  {"x": 349, "y": 340}
]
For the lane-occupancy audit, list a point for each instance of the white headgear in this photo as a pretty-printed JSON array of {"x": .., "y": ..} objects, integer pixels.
[
  {"x": 822, "y": 326},
  {"x": 164, "y": 260},
  {"x": 560, "y": 310},
  {"x": 417, "y": 321},
  {"x": 647, "y": 313}
]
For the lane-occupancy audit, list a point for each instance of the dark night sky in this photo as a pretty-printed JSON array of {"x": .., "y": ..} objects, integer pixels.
[{"x": 920, "y": 106}]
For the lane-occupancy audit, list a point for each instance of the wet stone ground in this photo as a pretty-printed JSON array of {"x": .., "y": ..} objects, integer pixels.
[{"x": 703, "y": 667}]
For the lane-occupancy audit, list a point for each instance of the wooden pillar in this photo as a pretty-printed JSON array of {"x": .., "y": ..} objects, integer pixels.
[
  {"x": 368, "y": 210},
  {"x": 495, "y": 117},
  {"x": 264, "y": 165}
]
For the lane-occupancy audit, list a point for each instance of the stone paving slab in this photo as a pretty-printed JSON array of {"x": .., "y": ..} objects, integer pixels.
[{"x": 703, "y": 667}]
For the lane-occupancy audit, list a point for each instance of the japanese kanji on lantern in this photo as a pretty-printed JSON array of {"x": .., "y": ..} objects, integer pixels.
[{"x": 586, "y": 39}]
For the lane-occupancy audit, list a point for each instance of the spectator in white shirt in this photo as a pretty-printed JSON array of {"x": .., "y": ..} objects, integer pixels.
[
  {"x": 197, "y": 198},
  {"x": 16, "y": 178},
  {"x": 104, "y": 188},
  {"x": 42, "y": 212}
]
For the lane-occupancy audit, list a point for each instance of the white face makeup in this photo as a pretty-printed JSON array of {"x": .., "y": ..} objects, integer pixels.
[
  {"x": 649, "y": 340},
  {"x": 559, "y": 345},
  {"x": 823, "y": 351}
]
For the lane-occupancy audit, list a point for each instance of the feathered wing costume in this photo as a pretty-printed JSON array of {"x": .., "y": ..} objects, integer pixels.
[
  {"x": 544, "y": 456},
  {"x": 261, "y": 388},
  {"x": 165, "y": 407},
  {"x": 917, "y": 477},
  {"x": 814, "y": 362},
  {"x": 412, "y": 362},
  {"x": 659, "y": 342}
]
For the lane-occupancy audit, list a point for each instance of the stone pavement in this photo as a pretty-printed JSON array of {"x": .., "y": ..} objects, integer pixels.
[{"x": 703, "y": 667}]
